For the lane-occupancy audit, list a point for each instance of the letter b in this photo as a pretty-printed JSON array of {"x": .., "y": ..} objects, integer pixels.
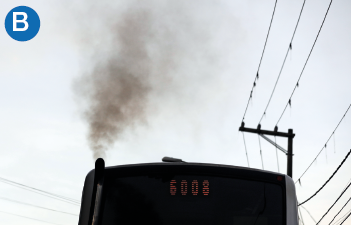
[
  {"x": 15, "y": 21},
  {"x": 22, "y": 23}
]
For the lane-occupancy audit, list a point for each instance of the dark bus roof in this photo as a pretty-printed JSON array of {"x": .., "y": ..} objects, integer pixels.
[{"x": 191, "y": 168}]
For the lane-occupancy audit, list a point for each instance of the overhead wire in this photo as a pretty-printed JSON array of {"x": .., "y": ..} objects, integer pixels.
[
  {"x": 303, "y": 69},
  {"x": 334, "y": 143},
  {"x": 333, "y": 204},
  {"x": 259, "y": 141},
  {"x": 341, "y": 218},
  {"x": 309, "y": 213},
  {"x": 44, "y": 194},
  {"x": 337, "y": 169},
  {"x": 41, "y": 192},
  {"x": 345, "y": 219},
  {"x": 340, "y": 211},
  {"x": 23, "y": 203},
  {"x": 28, "y": 218},
  {"x": 347, "y": 184},
  {"x": 276, "y": 152},
  {"x": 300, "y": 215},
  {"x": 36, "y": 189},
  {"x": 247, "y": 157},
  {"x": 323, "y": 145},
  {"x": 286, "y": 55},
  {"x": 259, "y": 65}
]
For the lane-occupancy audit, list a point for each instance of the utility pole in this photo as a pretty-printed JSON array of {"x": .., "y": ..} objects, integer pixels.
[{"x": 290, "y": 135}]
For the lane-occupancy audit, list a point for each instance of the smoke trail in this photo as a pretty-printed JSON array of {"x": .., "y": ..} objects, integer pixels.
[
  {"x": 117, "y": 86},
  {"x": 138, "y": 54}
]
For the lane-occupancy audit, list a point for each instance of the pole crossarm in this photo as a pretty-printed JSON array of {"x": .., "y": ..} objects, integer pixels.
[
  {"x": 274, "y": 144},
  {"x": 266, "y": 132},
  {"x": 290, "y": 135}
]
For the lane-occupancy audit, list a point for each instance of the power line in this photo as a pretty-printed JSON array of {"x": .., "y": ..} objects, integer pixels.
[
  {"x": 36, "y": 189},
  {"x": 341, "y": 218},
  {"x": 299, "y": 212},
  {"x": 259, "y": 141},
  {"x": 286, "y": 55},
  {"x": 308, "y": 213},
  {"x": 333, "y": 204},
  {"x": 340, "y": 211},
  {"x": 28, "y": 218},
  {"x": 259, "y": 65},
  {"x": 337, "y": 169},
  {"x": 247, "y": 157},
  {"x": 345, "y": 218},
  {"x": 23, "y": 203},
  {"x": 297, "y": 84},
  {"x": 41, "y": 192},
  {"x": 347, "y": 184},
  {"x": 324, "y": 144},
  {"x": 276, "y": 152}
]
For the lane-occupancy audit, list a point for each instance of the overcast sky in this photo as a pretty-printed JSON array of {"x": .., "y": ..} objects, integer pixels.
[{"x": 195, "y": 103}]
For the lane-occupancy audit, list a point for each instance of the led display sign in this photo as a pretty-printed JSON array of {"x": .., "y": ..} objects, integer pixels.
[{"x": 193, "y": 190}]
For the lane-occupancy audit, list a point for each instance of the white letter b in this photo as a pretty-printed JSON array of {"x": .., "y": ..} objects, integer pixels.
[{"x": 15, "y": 21}]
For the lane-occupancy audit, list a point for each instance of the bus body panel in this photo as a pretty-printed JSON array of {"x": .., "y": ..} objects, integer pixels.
[
  {"x": 290, "y": 203},
  {"x": 86, "y": 198}
]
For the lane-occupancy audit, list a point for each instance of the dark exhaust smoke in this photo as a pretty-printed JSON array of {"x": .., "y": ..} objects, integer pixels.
[
  {"x": 117, "y": 87},
  {"x": 139, "y": 53}
]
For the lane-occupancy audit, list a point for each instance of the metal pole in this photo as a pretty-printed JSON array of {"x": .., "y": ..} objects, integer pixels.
[
  {"x": 290, "y": 135},
  {"x": 290, "y": 153}
]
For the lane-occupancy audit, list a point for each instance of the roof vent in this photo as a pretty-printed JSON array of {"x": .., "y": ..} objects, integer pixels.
[{"x": 170, "y": 159}]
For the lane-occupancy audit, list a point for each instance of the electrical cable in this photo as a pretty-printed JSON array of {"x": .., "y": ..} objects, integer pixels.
[
  {"x": 247, "y": 157},
  {"x": 337, "y": 169},
  {"x": 259, "y": 141},
  {"x": 276, "y": 152},
  {"x": 345, "y": 218},
  {"x": 309, "y": 213},
  {"x": 341, "y": 218},
  {"x": 41, "y": 192},
  {"x": 347, "y": 184},
  {"x": 23, "y": 203},
  {"x": 339, "y": 211},
  {"x": 334, "y": 143},
  {"x": 259, "y": 65},
  {"x": 28, "y": 218},
  {"x": 36, "y": 189},
  {"x": 297, "y": 84},
  {"x": 286, "y": 55},
  {"x": 333, "y": 204},
  {"x": 44, "y": 194},
  {"x": 324, "y": 145},
  {"x": 299, "y": 212}
]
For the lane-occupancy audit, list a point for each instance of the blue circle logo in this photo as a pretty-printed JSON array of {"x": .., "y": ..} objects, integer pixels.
[{"x": 22, "y": 23}]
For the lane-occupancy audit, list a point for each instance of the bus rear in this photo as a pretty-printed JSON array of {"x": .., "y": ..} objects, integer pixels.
[{"x": 181, "y": 193}]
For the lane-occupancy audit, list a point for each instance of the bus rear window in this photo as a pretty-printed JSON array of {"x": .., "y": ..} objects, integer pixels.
[{"x": 186, "y": 199}]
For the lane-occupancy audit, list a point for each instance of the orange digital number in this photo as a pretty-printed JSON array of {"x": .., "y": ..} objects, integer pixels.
[
  {"x": 206, "y": 187},
  {"x": 173, "y": 188},
  {"x": 184, "y": 187},
  {"x": 195, "y": 187}
]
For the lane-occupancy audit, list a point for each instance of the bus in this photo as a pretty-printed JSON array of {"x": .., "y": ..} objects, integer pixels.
[{"x": 182, "y": 193}]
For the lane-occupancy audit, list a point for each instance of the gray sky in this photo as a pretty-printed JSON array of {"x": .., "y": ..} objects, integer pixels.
[{"x": 193, "y": 110}]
